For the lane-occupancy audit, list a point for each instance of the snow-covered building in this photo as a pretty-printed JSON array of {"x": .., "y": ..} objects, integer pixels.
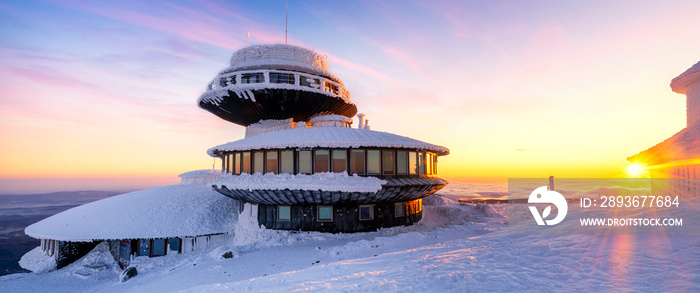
[
  {"x": 319, "y": 174},
  {"x": 673, "y": 164},
  {"x": 171, "y": 219},
  {"x": 300, "y": 167}
]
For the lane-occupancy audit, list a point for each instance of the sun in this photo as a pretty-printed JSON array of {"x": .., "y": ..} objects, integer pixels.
[{"x": 635, "y": 169}]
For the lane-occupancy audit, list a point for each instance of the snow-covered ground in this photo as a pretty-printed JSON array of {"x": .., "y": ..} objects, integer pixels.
[{"x": 456, "y": 247}]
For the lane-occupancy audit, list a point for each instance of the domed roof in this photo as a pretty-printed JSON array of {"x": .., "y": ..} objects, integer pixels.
[
  {"x": 681, "y": 83},
  {"x": 280, "y": 56},
  {"x": 328, "y": 137},
  {"x": 169, "y": 211}
]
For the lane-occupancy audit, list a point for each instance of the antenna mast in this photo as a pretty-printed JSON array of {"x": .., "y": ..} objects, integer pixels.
[{"x": 286, "y": 20}]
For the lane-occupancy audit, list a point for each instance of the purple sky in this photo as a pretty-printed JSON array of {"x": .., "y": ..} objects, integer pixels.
[{"x": 513, "y": 88}]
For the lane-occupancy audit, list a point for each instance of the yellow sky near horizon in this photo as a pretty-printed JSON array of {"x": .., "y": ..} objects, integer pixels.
[{"x": 512, "y": 89}]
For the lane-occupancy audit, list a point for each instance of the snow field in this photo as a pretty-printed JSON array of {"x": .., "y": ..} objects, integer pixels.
[{"x": 455, "y": 248}]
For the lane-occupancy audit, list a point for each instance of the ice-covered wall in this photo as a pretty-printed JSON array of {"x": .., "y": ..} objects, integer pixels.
[
  {"x": 693, "y": 103},
  {"x": 688, "y": 83},
  {"x": 268, "y": 126}
]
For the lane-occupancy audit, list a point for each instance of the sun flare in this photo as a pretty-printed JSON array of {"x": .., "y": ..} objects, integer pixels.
[{"x": 635, "y": 169}]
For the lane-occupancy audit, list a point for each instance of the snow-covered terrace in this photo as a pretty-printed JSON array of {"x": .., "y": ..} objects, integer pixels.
[{"x": 170, "y": 211}]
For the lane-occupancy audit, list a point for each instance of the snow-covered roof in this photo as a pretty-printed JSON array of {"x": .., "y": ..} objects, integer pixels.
[
  {"x": 200, "y": 173},
  {"x": 329, "y": 137},
  {"x": 681, "y": 83},
  {"x": 168, "y": 211},
  {"x": 327, "y": 181},
  {"x": 278, "y": 52},
  {"x": 683, "y": 145},
  {"x": 280, "y": 56}
]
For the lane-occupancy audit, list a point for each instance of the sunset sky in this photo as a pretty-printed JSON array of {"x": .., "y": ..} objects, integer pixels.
[{"x": 513, "y": 88}]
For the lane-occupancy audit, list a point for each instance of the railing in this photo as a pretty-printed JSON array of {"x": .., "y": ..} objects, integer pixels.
[{"x": 271, "y": 77}]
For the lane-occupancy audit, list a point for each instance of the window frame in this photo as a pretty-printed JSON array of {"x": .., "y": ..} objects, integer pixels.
[
  {"x": 315, "y": 161},
  {"x": 249, "y": 161},
  {"x": 246, "y": 77},
  {"x": 279, "y": 80},
  {"x": 405, "y": 163},
  {"x": 281, "y": 161},
  {"x": 255, "y": 162},
  {"x": 289, "y": 213},
  {"x": 364, "y": 161},
  {"x": 227, "y": 80},
  {"x": 371, "y": 212},
  {"x": 267, "y": 161},
  {"x": 237, "y": 168},
  {"x": 310, "y": 161},
  {"x": 333, "y": 159},
  {"x": 318, "y": 213},
  {"x": 303, "y": 81},
  {"x": 397, "y": 209},
  {"x": 393, "y": 162},
  {"x": 422, "y": 162},
  {"x": 367, "y": 161},
  {"x": 412, "y": 166}
]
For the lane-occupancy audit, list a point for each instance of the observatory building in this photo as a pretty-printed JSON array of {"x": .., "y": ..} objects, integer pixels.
[
  {"x": 300, "y": 167},
  {"x": 673, "y": 164},
  {"x": 301, "y": 164}
]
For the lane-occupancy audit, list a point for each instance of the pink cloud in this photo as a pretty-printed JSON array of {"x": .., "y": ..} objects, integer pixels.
[
  {"x": 361, "y": 69},
  {"x": 188, "y": 23}
]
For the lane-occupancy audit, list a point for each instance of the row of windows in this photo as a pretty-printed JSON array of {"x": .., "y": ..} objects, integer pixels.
[
  {"x": 352, "y": 161},
  {"x": 366, "y": 211},
  {"x": 277, "y": 77}
]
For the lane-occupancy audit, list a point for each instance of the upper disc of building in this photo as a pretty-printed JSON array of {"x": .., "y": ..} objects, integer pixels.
[{"x": 276, "y": 82}]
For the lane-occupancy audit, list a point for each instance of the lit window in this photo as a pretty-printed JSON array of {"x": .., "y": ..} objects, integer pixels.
[
  {"x": 325, "y": 213},
  {"x": 276, "y": 77},
  {"x": 287, "y": 161},
  {"x": 339, "y": 161},
  {"x": 373, "y": 162},
  {"x": 430, "y": 164},
  {"x": 401, "y": 162},
  {"x": 366, "y": 212},
  {"x": 224, "y": 163},
  {"x": 258, "y": 162},
  {"x": 231, "y": 163},
  {"x": 357, "y": 162},
  {"x": 330, "y": 87},
  {"x": 321, "y": 161},
  {"x": 421, "y": 163},
  {"x": 388, "y": 162},
  {"x": 245, "y": 164},
  {"x": 420, "y": 204},
  {"x": 252, "y": 78},
  {"x": 398, "y": 210},
  {"x": 237, "y": 168},
  {"x": 284, "y": 213},
  {"x": 435, "y": 161},
  {"x": 412, "y": 164},
  {"x": 304, "y": 162}
]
